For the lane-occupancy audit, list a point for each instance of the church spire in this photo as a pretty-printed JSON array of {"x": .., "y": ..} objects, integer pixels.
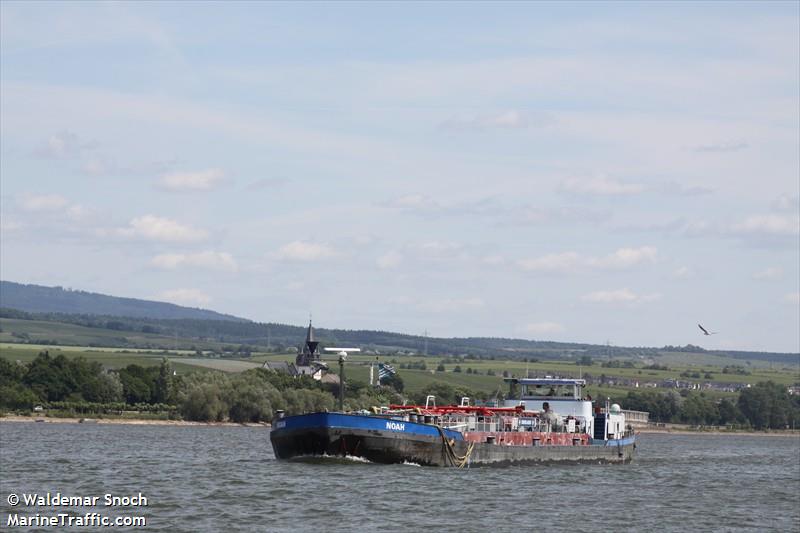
[{"x": 311, "y": 344}]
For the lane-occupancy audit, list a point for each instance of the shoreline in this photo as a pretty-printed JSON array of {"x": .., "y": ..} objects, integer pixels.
[
  {"x": 710, "y": 432},
  {"x": 124, "y": 421},
  {"x": 147, "y": 422}
]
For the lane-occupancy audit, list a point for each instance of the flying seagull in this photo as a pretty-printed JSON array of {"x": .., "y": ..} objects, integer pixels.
[{"x": 706, "y": 332}]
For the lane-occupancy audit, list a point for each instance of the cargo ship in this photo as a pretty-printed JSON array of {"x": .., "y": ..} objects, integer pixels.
[{"x": 543, "y": 420}]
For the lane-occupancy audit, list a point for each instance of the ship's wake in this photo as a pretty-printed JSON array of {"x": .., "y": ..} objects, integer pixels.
[{"x": 330, "y": 459}]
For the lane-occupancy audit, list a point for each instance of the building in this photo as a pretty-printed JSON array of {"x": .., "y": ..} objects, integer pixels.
[{"x": 307, "y": 362}]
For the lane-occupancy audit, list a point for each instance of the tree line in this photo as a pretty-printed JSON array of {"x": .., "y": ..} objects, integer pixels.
[
  {"x": 78, "y": 386},
  {"x": 766, "y": 405}
]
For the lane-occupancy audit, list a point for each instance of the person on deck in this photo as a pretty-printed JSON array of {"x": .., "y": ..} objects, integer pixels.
[{"x": 549, "y": 416}]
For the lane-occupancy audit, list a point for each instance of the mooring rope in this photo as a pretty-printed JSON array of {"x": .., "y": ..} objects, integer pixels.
[{"x": 456, "y": 460}]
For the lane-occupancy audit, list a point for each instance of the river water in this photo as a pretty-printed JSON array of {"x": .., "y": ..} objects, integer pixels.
[{"x": 198, "y": 478}]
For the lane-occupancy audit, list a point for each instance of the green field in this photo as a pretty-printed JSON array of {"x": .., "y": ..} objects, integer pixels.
[
  {"x": 118, "y": 359},
  {"x": 14, "y": 330},
  {"x": 415, "y": 380}
]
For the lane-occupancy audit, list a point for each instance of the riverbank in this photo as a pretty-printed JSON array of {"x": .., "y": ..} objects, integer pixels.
[
  {"x": 123, "y": 421},
  {"x": 150, "y": 422},
  {"x": 731, "y": 432}
]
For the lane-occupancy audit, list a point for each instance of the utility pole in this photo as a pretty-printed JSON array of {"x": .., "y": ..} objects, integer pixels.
[
  {"x": 426, "y": 343},
  {"x": 341, "y": 382}
]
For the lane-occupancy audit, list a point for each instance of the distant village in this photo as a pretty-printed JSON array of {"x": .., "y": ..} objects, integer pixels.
[{"x": 668, "y": 383}]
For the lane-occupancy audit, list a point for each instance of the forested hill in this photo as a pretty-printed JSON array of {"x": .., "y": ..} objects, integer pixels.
[
  {"x": 41, "y": 299},
  {"x": 189, "y": 333},
  {"x": 86, "y": 309}
]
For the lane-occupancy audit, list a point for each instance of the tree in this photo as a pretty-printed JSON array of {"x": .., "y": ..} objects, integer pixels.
[
  {"x": 728, "y": 412},
  {"x": 17, "y": 396},
  {"x": 767, "y": 405},
  {"x": 49, "y": 377},
  {"x": 697, "y": 409},
  {"x": 440, "y": 368},
  {"x": 138, "y": 383},
  {"x": 444, "y": 393},
  {"x": 163, "y": 384},
  {"x": 203, "y": 398},
  {"x": 10, "y": 373},
  {"x": 249, "y": 401}
]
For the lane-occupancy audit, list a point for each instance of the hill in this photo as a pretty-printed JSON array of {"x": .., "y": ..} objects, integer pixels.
[
  {"x": 41, "y": 299},
  {"x": 132, "y": 323},
  {"x": 191, "y": 334}
]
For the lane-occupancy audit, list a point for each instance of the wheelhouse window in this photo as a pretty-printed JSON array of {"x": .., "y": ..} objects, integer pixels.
[{"x": 550, "y": 391}]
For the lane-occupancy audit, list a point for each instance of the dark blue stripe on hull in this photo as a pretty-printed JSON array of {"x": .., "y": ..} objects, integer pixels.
[{"x": 360, "y": 422}]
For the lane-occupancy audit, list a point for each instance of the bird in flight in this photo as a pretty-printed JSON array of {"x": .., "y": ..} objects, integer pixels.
[{"x": 705, "y": 332}]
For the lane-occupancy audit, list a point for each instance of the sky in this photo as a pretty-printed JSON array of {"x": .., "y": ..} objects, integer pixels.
[{"x": 583, "y": 172}]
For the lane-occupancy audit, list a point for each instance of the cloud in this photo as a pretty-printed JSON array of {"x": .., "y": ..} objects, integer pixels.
[
  {"x": 295, "y": 286},
  {"x": 680, "y": 189},
  {"x": 730, "y": 146},
  {"x": 494, "y": 260},
  {"x": 77, "y": 212},
  {"x": 267, "y": 183},
  {"x": 626, "y": 258},
  {"x": 151, "y": 227},
  {"x": 439, "y": 248},
  {"x": 8, "y": 224},
  {"x": 53, "y": 204},
  {"x": 425, "y": 205},
  {"x": 451, "y": 305},
  {"x": 563, "y": 262},
  {"x": 560, "y": 215},
  {"x": 438, "y": 305},
  {"x": 792, "y": 297},
  {"x": 683, "y": 273},
  {"x": 305, "y": 251},
  {"x": 600, "y": 186},
  {"x": 194, "y": 297},
  {"x": 210, "y": 260},
  {"x": 42, "y": 202},
  {"x": 787, "y": 203},
  {"x": 567, "y": 262},
  {"x": 389, "y": 260},
  {"x": 204, "y": 180},
  {"x": 96, "y": 167},
  {"x": 769, "y": 224},
  {"x": 415, "y": 202},
  {"x": 62, "y": 145},
  {"x": 624, "y": 296},
  {"x": 511, "y": 119},
  {"x": 769, "y": 273},
  {"x": 543, "y": 328}
]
